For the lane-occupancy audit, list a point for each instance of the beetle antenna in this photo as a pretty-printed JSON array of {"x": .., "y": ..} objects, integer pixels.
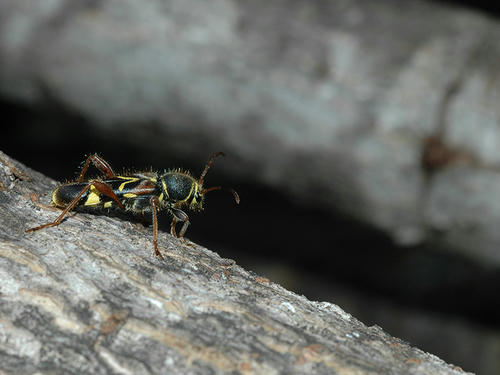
[
  {"x": 232, "y": 191},
  {"x": 207, "y": 167}
]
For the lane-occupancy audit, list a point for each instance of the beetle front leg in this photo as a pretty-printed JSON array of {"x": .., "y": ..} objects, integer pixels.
[{"x": 179, "y": 215}]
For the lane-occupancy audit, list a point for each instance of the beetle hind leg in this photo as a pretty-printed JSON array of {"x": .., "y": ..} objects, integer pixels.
[
  {"x": 101, "y": 187},
  {"x": 100, "y": 164},
  {"x": 67, "y": 209}
]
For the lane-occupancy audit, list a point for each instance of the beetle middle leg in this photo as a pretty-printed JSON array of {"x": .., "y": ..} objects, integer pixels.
[{"x": 155, "y": 206}]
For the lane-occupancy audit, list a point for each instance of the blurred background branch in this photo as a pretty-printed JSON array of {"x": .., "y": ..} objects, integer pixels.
[{"x": 367, "y": 128}]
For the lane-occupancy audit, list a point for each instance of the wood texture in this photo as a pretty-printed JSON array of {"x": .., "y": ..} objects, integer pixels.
[{"x": 89, "y": 296}]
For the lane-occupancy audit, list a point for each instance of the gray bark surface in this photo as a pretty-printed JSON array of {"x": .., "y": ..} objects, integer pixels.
[
  {"x": 342, "y": 96},
  {"x": 89, "y": 296}
]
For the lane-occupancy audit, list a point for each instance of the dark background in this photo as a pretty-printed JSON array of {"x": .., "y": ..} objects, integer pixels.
[
  {"x": 281, "y": 238},
  {"x": 491, "y": 8}
]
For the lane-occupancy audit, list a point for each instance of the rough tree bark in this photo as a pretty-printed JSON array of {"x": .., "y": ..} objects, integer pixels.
[{"x": 89, "y": 296}]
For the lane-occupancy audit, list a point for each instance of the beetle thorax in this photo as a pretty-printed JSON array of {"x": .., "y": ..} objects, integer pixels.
[{"x": 180, "y": 188}]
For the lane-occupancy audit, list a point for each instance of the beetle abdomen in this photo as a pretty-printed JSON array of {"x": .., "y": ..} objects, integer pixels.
[{"x": 64, "y": 194}]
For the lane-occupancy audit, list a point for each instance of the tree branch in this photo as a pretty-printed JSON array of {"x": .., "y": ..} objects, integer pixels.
[{"x": 89, "y": 296}]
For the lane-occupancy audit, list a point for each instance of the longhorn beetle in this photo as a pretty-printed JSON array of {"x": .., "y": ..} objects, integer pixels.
[{"x": 139, "y": 193}]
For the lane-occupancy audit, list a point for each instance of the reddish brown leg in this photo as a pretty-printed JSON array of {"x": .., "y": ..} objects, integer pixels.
[
  {"x": 106, "y": 190},
  {"x": 179, "y": 215},
  {"x": 155, "y": 205},
  {"x": 65, "y": 211},
  {"x": 100, "y": 164},
  {"x": 100, "y": 187},
  {"x": 172, "y": 227}
]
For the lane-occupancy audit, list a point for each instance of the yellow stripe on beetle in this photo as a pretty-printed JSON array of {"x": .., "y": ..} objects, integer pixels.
[
  {"x": 190, "y": 193},
  {"x": 129, "y": 180},
  {"x": 93, "y": 198},
  {"x": 164, "y": 185}
]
